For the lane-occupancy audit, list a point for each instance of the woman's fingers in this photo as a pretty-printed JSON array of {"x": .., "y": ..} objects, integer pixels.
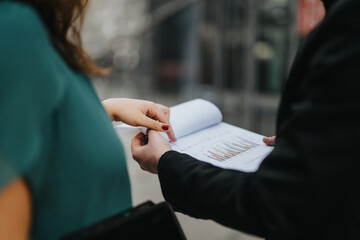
[
  {"x": 140, "y": 113},
  {"x": 158, "y": 126},
  {"x": 165, "y": 110},
  {"x": 158, "y": 119}
]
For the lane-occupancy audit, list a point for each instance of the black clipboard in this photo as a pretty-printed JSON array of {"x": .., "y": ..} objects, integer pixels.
[{"x": 146, "y": 221}]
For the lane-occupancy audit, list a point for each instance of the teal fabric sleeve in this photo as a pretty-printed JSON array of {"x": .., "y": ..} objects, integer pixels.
[{"x": 25, "y": 70}]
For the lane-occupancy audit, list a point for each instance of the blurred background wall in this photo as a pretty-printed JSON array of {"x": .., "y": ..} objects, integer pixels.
[{"x": 235, "y": 53}]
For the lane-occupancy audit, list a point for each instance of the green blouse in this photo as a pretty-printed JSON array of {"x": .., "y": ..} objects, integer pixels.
[{"x": 54, "y": 132}]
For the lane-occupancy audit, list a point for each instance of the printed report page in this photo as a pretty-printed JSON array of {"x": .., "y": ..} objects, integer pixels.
[{"x": 225, "y": 146}]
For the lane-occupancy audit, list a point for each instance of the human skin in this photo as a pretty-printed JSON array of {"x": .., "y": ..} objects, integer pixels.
[
  {"x": 15, "y": 209},
  {"x": 270, "y": 141},
  {"x": 140, "y": 113}
]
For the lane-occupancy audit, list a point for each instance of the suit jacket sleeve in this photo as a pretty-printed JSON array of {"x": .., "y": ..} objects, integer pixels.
[{"x": 309, "y": 183}]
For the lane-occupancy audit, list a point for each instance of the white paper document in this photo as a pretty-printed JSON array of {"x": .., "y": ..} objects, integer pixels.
[
  {"x": 200, "y": 132},
  {"x": 225, "y": 146}
]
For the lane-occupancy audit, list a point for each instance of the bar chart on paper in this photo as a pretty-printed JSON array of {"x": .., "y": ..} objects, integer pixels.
[
  {"x": 228, "y": 148},
  {"x": 225, "y": 146}
]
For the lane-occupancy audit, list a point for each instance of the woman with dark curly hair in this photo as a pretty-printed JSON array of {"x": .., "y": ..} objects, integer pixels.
[{"x": 62, "y": 166}]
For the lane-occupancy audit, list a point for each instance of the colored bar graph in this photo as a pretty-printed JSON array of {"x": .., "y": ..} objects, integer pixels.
[{"x": 227, "y": 149}]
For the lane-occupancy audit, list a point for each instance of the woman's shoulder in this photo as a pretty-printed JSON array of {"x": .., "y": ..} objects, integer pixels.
[
  {"x": 20, "y": 23},
  {"x": 27, "y": 54},
  {"x": 18, "y": 14},
  {"x": 29, "y": 64}
]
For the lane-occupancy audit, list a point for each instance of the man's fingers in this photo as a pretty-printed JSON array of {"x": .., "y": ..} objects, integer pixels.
[
  {"x": 270, "y": 141},
  {"x": 153, "y": 135},
  {"x": 136, "y": 142}
]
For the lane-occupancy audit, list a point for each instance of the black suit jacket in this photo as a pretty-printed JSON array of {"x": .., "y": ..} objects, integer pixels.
[{"x": 308, "y": 187}]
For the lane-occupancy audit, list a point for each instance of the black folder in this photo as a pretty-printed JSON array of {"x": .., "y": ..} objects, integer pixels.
[{"x": 147, "y": 221}]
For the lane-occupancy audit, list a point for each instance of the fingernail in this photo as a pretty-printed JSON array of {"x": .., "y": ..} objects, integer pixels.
[{"x": 165, "y": 127}]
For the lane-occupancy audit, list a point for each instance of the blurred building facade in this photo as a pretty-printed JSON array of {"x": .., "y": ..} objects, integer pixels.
[{"x": 235, "y": 53}]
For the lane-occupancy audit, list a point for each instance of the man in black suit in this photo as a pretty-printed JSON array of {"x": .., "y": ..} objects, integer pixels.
[{"x": 308, "y": 187}]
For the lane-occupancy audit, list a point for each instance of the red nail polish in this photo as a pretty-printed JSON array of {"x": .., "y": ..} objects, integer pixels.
[{"x": 165, "y": 127}]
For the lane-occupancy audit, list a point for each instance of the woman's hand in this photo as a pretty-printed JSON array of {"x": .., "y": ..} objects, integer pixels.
[
  {"x": 140, "y": 113},
  {"x": 148, "y": 155},
  {"x": 270, "y": 141}
]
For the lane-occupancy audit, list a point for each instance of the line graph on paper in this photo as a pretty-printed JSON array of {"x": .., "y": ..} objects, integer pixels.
[{"x": 228, "y": 148}]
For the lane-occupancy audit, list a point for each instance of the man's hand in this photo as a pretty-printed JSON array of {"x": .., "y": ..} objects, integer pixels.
[
  {"x": 148, "y": 155},
  {"x": 270, "y": 141}
]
